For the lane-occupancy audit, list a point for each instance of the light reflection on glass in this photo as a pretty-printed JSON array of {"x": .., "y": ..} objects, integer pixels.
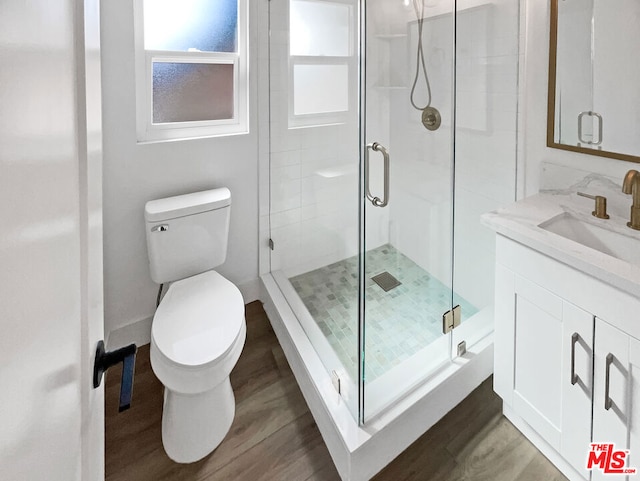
[{"x": 180, "y": 25}]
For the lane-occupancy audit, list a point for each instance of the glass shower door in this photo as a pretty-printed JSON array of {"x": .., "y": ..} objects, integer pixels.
[
  {"x": 313, "y": 176},
  {"x": 407, "y": 201}
]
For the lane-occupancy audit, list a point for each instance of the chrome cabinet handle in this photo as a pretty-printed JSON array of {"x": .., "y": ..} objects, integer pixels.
[
  {"x": 590, "y": 114},
  {"x": 574, "y": 340},
  {"x": 376, "y": 201},
  {"x": 607, "y": 378}
]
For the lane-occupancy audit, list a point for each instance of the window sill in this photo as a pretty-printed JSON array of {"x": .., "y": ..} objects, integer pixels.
[{"x": 187, "y": 138}]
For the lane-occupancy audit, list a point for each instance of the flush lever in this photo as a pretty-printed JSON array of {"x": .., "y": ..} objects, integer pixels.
[
  {"x": 105, "y": 360},
  {"x": 601, "y": 205}
]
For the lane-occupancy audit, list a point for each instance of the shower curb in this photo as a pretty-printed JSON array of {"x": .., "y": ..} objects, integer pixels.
[{"x": 360, "y": 452}]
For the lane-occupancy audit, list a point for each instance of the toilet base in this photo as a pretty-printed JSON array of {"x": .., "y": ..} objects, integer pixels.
[{"x": 193, "y": 425}]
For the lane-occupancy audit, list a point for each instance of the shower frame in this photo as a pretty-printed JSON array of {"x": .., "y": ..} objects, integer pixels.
[{"x": 359, "y": 447}]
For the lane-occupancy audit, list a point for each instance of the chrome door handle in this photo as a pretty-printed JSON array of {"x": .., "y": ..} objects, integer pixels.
[
  {"x": 104, "y": 360},
  {"x": 590, "y": 114},
  {"x": 574, "y": 340},
  {"x": 607, "y": 378},
  {"x": 376, "y": 201}
]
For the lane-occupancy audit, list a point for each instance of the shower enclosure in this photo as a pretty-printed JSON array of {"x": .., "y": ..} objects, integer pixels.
[{"x": 393, "y": 127}]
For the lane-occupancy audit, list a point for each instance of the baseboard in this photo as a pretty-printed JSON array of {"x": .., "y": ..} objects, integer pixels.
[
  {"x": 251, "y": 290},
  {"x": 139, "y": 332}
]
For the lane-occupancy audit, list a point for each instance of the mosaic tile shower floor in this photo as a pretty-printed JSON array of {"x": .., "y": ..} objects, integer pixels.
[{"x": 399, "y": 322}]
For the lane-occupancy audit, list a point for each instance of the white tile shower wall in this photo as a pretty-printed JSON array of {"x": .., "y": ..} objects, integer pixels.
[
  {"x": 487, "y": 83},
  {"x": 313, "y": 176},
  {"x": 486, "y": 137},
  {"x": 314, "y": 216},
  {"x": 420, "y": 178}
]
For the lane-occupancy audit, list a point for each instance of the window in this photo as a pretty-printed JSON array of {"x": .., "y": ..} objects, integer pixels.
[
  {"x": 191, "y": 68},
  {"x": 322, "y": 64}
]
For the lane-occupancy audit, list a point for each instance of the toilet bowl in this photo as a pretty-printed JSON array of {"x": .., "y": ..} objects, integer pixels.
[
  {"x": 198, "y": 330},
  {"x": 197, "y": 336}
]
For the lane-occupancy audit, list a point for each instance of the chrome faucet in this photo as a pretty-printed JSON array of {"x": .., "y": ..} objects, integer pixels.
[{"x": 631, "y": 185}]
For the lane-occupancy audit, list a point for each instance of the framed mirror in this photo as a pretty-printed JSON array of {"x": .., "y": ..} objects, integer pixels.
[{"x": 594, "y": 78}]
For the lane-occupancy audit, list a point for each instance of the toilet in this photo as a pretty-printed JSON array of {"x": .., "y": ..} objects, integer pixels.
[{"x": 199, "y": 329}]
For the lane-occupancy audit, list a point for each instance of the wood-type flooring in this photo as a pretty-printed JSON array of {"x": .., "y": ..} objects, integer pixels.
[{"x": 274, "y": 436}]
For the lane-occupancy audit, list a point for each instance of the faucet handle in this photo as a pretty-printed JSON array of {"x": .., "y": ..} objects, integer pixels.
[{"x": 601, "y": 205}]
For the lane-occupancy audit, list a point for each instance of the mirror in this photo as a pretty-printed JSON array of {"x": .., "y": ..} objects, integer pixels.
[{"x": 594, "y": 78}]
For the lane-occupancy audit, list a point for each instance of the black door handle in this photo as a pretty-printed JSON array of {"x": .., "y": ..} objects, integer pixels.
[{"x": 105, "y": 360}]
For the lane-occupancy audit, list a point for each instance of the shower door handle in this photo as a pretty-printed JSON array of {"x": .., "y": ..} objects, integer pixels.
[
  {"x": 376, "y": 201},
  {"x": 599, "y": 119}
]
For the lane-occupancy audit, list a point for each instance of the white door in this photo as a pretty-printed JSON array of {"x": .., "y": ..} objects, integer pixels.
[{"x": 51, "y": 419}]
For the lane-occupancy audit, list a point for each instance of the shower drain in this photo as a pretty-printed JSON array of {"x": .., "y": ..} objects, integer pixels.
[{"x": 386, "y": 281}]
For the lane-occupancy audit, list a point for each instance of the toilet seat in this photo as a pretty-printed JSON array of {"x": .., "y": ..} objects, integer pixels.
[{"x": 197, "y": 333}]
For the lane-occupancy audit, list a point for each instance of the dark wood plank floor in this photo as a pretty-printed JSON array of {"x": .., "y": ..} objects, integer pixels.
[{"x": 274, "y": 437}]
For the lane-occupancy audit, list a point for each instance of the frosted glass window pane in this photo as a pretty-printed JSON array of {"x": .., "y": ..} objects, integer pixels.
[
  {"x": 185, "y": 92},
  {"x": 180, "y": 25},
  {"x": 320, "y": 28},
  {"x": 320, "y": 89}
]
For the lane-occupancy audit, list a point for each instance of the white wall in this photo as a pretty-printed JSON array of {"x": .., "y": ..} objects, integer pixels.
[
  {"x": 533, "y": 104},
  {"x": 135, "y": 173}
]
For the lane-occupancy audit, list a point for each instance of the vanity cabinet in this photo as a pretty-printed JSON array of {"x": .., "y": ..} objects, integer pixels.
[{"x": 552, "y": 353}]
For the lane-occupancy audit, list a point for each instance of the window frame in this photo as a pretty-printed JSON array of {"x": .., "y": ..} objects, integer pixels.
[
  {"x": 147, "y": 130},
  {"x": 351, "y": 61}
]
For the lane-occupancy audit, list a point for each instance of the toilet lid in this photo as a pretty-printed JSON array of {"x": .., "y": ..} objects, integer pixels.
[{"x": 198, "y": 319}]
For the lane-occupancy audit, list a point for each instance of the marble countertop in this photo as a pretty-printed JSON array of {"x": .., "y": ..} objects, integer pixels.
[{"x": 521, "y": 222}]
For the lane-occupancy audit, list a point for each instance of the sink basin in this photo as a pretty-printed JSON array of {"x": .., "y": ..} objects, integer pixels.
[{"x": 615, "y": 244}]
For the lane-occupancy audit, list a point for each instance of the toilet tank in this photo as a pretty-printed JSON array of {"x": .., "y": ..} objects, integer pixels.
[{"x": 187, "y": 234}]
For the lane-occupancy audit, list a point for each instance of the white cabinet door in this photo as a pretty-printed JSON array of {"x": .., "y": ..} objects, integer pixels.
[
  {"x": 544, "y": 360},
  {"x": 538, "y": 363},
  {"x": 612, "y": 394},
  {"x": 577, "y": 386}
]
